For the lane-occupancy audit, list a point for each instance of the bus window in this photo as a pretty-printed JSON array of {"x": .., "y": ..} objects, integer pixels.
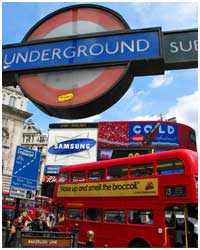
[
  {"x": 140, "y": 217},
  {"x": 142, "y": 170},
  {"x": 118, "y": 172},
  {"x": 78, "y": 176},
  {"x": 96, "y": 174},
  {"x": 94, "y": 214},
  {"x": 117, "y": 216},
  {"x": 171, "y": 166},
  {"x": 74, "y": 213},
  {"x": 63, "y": 177}
]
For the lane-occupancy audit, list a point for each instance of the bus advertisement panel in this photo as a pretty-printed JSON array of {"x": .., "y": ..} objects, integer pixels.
[{"x": 146, "y": 187}]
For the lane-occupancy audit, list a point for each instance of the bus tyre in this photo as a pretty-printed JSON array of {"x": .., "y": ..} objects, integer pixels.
[{"x": 140, "y": 243}]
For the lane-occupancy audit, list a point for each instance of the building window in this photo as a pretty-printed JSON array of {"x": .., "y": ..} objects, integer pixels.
[
  {"x": 27, "y": 139},
  {"x": 40, "y": 149},
  {"x": 12, "y": 101},
  {"x": 4, "y": 122}
]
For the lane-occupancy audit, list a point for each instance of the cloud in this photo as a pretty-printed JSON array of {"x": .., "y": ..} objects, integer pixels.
[
  {"x": 185, "y": 110},
  {"x": 146, "y": 118},
  {"x": 134, "y": 100},
  {"x": 182, "y": 15},
  {"x": 138, "y": 107},
  {"x": 160, "y": 81}
]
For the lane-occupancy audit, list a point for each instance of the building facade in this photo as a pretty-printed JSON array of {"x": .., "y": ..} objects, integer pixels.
[
  {"x": 14, "y": 114},
  {"x": 16, "y": 130},
  {"x": 34, "y": 139}
]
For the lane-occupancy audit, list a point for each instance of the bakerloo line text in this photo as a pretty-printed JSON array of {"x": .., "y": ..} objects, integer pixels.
[{"x": 96, "y": 49}]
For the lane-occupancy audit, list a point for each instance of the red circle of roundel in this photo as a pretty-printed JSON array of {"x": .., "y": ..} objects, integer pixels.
[{"x": 86, "y": 91}]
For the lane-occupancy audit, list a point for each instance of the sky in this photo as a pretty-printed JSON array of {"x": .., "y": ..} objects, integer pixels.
[{"x": 173, "y": 94}]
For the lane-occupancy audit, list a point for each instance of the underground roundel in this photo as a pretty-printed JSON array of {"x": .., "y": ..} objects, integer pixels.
[{"x": 77, "y": 92}]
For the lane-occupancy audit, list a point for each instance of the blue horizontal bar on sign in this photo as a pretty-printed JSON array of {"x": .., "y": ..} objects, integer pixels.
[
  {"x": 52, "y": 169},
  {"x": 104, "y": 49}
]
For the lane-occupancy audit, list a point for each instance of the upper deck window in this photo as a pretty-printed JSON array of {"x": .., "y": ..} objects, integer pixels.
[
  {"x": 171, "y": 166},
  {"x": 78, "y": 176},
  {"x": 118, "y": 172},
  {"x": 142, "y": 169},
  {"x": 96, "y": 174},
  {"x": 63, "y": 177}
]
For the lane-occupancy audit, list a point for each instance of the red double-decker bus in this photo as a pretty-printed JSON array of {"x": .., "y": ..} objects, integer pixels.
[
  {"x": 9, "y": 205},
  {"x": 130, "y": 202}
]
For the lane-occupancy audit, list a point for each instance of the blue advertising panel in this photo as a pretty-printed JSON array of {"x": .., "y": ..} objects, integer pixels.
[
  {"x": 72, "y": 146},
  {"x": 52, "y": 169},
  {"x": 105, "y": 49},
  {"x": 153, "y": 133},
  {"x": 25, "y": 171}
]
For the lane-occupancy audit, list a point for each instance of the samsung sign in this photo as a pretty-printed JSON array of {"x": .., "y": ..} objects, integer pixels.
[
  {"x": 72, "y": 146},
  {"x": 105, "y": 49}
]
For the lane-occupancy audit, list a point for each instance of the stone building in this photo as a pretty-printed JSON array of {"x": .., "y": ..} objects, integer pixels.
[
  {"x": 14, "y": 114},
  {"x": 34, "y": 139},
  {"x": 15, "y": 132}
]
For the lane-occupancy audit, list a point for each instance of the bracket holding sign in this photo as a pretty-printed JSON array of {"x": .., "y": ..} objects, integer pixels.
[{"x": 72, "y": 72}]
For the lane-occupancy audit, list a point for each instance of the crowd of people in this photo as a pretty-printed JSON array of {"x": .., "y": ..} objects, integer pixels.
[
  {"x": 46, "y": 222},
  {"x": 41, "y": 222}
]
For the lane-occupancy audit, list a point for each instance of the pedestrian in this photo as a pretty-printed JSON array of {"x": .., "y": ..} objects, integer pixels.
[
  {"x": 150, "y": 219},
  {"x": 90, "y": 239},
  {"x": 39, "y": 223},
  {"x": 51, "y": 219},
  {"x": 60, "y": 219},
  {"x": 16, "y": 229}
]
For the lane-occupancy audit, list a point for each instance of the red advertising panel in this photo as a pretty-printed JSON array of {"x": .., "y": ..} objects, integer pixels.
[{"x": 122, "y": 139}]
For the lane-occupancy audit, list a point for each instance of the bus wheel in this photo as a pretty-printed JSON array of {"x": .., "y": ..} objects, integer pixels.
[{"x": 140, "y": 243}]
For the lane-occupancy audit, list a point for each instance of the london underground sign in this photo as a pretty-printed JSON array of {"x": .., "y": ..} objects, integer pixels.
[
  {"x": 80, "y": 60},
  {"x": 104, "y": 49},
  {"x": 181, "y": 49},
  {"x": 79, "y": 92}
]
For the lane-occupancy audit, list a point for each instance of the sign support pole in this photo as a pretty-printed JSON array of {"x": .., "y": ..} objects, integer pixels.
[{"x": 17, "y": 208}]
